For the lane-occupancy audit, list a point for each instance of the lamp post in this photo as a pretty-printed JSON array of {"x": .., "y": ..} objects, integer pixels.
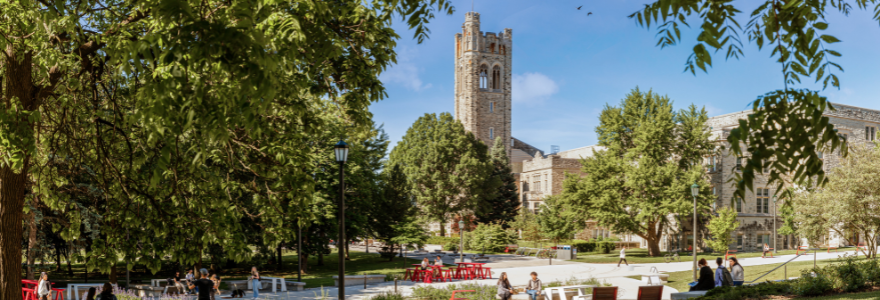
[
  {"x": 341, "y": 152},
  {"x": 774, "y": 225},
  {"x": 695, "y": 189},
  {"x": 461, "y": 235}
]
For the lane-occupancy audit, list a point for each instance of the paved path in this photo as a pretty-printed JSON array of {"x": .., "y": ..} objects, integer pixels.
[{"x": 518, "y": 269}]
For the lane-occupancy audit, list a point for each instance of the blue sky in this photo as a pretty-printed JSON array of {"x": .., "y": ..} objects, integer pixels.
[{"x": 567, "y": 66}]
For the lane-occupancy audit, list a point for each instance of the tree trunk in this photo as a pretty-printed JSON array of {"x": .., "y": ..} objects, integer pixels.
[
  {"x": 443, "y": 229},
  {"x": 321, "y": 251},
  {"x": 113, "y": 277},
  {"x": 67, "y": 256},
  {"x": 57, "y": 257},
  {"x": 32, "y": 243},
  {"x": 346, "y": 251},
  {"x": 278, "y": 267}
]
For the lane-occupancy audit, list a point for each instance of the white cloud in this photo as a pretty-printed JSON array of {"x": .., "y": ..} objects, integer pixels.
[
  {"x": 405, "y": 72},
  {"x": 533, "y": 87}
]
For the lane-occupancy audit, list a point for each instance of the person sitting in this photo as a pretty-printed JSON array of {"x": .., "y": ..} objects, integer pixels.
[
  {"x": 425, "y": 264},
  {"x": 706, "y": 281},
  {"x": 438, "y": 262},
  {"x": 737, "y": 272},
  {"x": 722, "y": 275}
]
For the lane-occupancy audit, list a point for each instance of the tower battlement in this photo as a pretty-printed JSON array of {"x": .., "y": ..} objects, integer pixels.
[{"x": 482, "y": 81}]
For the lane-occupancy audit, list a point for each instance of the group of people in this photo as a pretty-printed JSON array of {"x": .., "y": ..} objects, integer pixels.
[
  {"x": 44, "y": 290},
  {"x": 505, "y": 290},
  {"x": 722, "y": 277},
  {"x": 427, "y": 264}
]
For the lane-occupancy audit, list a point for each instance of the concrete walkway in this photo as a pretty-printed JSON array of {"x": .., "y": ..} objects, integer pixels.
[{"x": 518, "y": 269}]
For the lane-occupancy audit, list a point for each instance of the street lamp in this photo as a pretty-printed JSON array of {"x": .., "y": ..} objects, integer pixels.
[
  {"x": 695, "y": 189},
  {"x": 341, "y": 151},
  {"x": 461, "y": 235},
  {"x": 774, "y": 225}
]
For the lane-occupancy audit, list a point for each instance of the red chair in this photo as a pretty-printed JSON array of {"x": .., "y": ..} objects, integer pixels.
[
  {"x": 605, "y": 293},
  {"x": 28, "y": 294},
  {"x": 653, "y": 292},
  {"x": 460, "y": 291},
  {"x": 416, "y": 275},
  {"x": 449, "y": 274},
  {"x": 408, "y": 274},
  {"x": 487, "y": 273},
  {"x": 427, "y": 276}
]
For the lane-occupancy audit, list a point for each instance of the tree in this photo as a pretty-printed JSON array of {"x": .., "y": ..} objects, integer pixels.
[
  {"x": 720, "y": 227},
  {"x": 502, "y": 206},
  {"x": 410, "y": 233},
  {"x": 168, "y": 105},
  {"x": 556, "y": 220},
  {"x": 394, "y": 208},
  {"x": 652, "y": 158},
  {"x": 527, "y": 224},
  {"x": 786, "y": 125},
  {"x": 447, "y": 168},
  {"x": 847, "y": 204}
]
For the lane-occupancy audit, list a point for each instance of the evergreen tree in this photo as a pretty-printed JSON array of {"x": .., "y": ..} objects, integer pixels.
[
  {"x": 501, "y": 207},
  {"x": 556, "y": 220},
  {"x": 652, "y": 158},
  {"x": 393, "y": 209},
  {"x": 447, "y": 168}
]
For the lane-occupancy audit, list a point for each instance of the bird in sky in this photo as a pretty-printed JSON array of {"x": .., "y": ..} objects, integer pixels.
[
  {"x": 589, "y": 13},
  {"x": 579, "y": 7}
]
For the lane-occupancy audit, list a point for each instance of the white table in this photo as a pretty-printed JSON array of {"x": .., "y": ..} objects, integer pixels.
[
  {"x": 688, "y": 295},
  {"x": 155, "y": 282},
  {"x": 581, "y": 289},
  {"x": 74, "y": 287},
  {"x": 275, "y": 283}
]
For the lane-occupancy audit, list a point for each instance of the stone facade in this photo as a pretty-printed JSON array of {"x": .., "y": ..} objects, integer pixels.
[
  {"x": 757, "y": 209},
  {"x": 482, "y": 80}
]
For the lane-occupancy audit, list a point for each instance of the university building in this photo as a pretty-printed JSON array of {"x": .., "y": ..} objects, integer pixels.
[{"x": 483, "y": 105}]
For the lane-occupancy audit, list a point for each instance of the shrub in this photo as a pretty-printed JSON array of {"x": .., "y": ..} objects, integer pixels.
[
  {"x": 871, "y": 269},
  {"x": 491, "y": 237},
  {"x": 849, "y": 276},
  {"x": 387, "y": 296},
  {"x": 584, "y": 246},
  {"x": 757, "y": 291},
  {"x": 450, "y": 246},
  {"x": 483, "y": 292},
  {"x": 605, "y": 246},
  {"x": 809, "y": 285}
]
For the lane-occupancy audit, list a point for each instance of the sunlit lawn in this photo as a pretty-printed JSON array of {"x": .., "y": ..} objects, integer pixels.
[{"x": 640, "y": 256}]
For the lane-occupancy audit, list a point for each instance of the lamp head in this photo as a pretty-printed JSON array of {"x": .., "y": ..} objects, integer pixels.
[
  {"x": 461, "y": 224},
  {"x": 341, "y": 151},
  {"x": 695, "y": 189}
]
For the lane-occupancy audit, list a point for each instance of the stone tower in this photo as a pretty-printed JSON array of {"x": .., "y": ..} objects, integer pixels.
[{"x": 482, "y": 81}]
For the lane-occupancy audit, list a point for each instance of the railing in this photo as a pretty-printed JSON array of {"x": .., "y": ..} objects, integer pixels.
[{"x": 779, "y": 266}]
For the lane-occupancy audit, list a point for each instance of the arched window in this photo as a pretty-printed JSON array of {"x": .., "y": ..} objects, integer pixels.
[
  {"x": 492, "y": 133},
  {"x": 484, "y": 79},
  {"x": 496, "y": 77},
  {"x": 503, "y": 50}
]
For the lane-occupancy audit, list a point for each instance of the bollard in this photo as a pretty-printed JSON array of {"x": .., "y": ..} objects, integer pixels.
[
  {"x": 365, "y": 280},
  {"x": 786, "y": 272},
  {"x": 395, "y": 285}
]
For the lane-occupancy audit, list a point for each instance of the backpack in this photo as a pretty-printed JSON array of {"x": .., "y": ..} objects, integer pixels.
[{"x": 726, "y": 279}]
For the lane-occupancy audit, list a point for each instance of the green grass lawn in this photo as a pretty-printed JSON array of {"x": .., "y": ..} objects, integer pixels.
[
  {"x": 317, "y": 276},
  {"x": 640, "y": 256},
  {"x": 679, "y": 280}
]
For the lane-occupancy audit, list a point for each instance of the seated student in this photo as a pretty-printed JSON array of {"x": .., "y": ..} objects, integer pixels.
[
  {"x": 722, "y": 275},
  {"x": 737, "y": 272},
  {"x": 425, "y": 264},
  {"x": 707, "y": 280},
  {"x": 438, "y": 262}
]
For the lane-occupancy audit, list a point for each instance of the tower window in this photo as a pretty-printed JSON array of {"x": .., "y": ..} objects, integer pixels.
[
  {"x": 484, "y": 80},
  {"x": 492, "y": 48},
  {"x": 491, "y": 106},
  {"x": 491, "y": 133},
  {"x": 496, "y": 78},
  {"x": 503, "y": 50},
  {"x": 512, "y": 142},
  {"x": 870, "y": 133}
]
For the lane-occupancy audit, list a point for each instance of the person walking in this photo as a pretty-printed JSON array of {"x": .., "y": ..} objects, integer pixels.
[
  {"x": 44, "y": 288},
  {"x": 737, "y": 272},
  {"x": 534, "y": 287},
  {"x": 204, "y": 285},
  {"x": 622, "y": 257},
  {"x": 722, "y": 275},
  {"x": 255, "y": 278},
  {"x": 503, "y": 287},
  {"x": 706, "y": 281},
  {"x": 106, "y": 292}
]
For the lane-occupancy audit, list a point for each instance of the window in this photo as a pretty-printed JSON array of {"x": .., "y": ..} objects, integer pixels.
[
  {"x": 492, "y": 48},
  {"x": 491, "y": 107},
  {"x": 491, "y": 133},
  {"x": 484, "y": 79},
  {"x": 763, "y": 203},
  {"x": 821, "y": 154},
  {"x": 738, "y": 202},
  {"x": 870, "y": 133},
  {"x": 766, "y": 166},
  {"x": 525, "y": 187},
  {"x": 739, "y": 242},
  {"x": 739, "y": 163},
  {"x": 496, "y": 77},
  {"x": 711, "y": 164},
  {"x": 764, "y": 239}
]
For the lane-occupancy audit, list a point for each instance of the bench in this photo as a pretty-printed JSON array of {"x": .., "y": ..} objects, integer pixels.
[
  {"x": 359, "y": 279},
  {"x": 730, "y": 253},
  {"x": 801, "y": 249},
  {"x": 513, "y": 247},
  {"x": 295, "y": 286},
  {"x": 828, "y": 250},
  {"x": 769, "y": 250}
]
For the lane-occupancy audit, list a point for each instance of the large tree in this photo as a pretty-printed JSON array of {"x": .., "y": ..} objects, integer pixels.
[
  {"x": 448, "y": 169},
  {"x": 193, "y": 113},
  {"x": 847, "y": 204},
  {"x": 500, "y": 207},
  {"x": 786, "y": 125},
  {"x": 651, "y": 159}
]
